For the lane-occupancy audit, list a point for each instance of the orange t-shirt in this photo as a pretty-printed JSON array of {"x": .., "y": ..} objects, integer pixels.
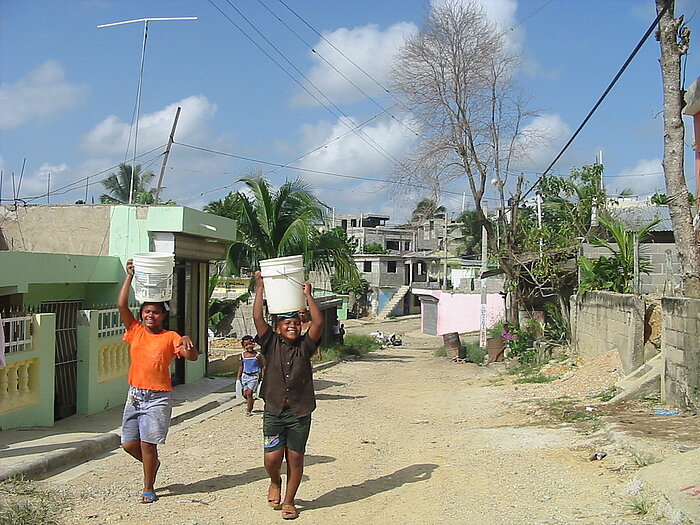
[{"x": 150, "y": 357}]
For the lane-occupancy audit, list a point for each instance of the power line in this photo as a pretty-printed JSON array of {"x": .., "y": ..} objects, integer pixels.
[
  {"x": 602, "y": 97},
  {"x": 338, "y": 113},
  {"x": 345, "y": 77}
]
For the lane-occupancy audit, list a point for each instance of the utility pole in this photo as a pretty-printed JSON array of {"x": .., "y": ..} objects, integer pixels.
[
  {"x": 484, "y": 266},
  {"x": 48, "y": 187},
  {"x": 444, "y": 261},
  {"x": 171, "y": 138}
]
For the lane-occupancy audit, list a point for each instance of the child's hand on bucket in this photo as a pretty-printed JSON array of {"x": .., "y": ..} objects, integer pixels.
[
  {"x": 306, "y": 287},
  {"x": 130, "y": 267}
]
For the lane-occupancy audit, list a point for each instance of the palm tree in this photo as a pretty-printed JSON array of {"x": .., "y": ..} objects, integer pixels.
[
  {"x": 426, "y": 209},
  {"x": 118, "y": 185},
  {"x": 277, "y": 223}
]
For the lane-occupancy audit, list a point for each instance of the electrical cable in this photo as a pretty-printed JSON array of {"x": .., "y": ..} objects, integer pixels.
[
  {"x": 600, "y": 100},
  {"x": 345, "y": 77},
  {"x": 363, "y": 136}
]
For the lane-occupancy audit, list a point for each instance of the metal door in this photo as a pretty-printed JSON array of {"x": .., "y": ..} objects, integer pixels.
[{"x": 66, "y": 376}]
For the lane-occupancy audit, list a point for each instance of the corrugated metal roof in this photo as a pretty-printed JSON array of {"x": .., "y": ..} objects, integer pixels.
[{"x": 638, "y": 216}]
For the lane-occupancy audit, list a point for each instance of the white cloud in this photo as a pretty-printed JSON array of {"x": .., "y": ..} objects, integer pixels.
[
  {"x": 42, "y": 93},
  {"x": 110, "y": 136},
  {"x": 543, "y": 138},
  {"x": 46, "y": 177},
  {"x": 373, "y": 151},
  {"x": 646, "y": 178},
  {"x": 368, "y": 47}
]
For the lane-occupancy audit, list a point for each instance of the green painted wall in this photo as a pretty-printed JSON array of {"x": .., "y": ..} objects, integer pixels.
[
  {"x": 94, "y": 396},
  {"x": 39, "y": 414}
]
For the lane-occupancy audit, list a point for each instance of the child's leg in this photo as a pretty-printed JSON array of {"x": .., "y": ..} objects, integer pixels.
[
  {"x": 273, "y": 463},
  {"x": 149, "y": 453},
  {"x": 133, "y": 448},
  {"x": 248, "y": 394},
  {"x": 295, "y": 470}
]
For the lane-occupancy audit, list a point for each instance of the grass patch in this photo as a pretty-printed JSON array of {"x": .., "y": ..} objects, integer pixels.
[
  {"x": 644, "y": 459},
  {"x": 536, "y": 378},
  {"x": 639, "y": 506},
  {"x": 607, "y": 394},
  {"x": 441, "y": 352},
  {"x": 354, "y": 345},
  {"x": 575, "y": 416},
  {"x": 23, "y": 502},
  {"x": 474, "y": 353}
]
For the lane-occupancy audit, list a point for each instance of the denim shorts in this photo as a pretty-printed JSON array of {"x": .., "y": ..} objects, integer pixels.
[
  {"x": 146, "y": 415},
  {"x": 249, "y": 381}
]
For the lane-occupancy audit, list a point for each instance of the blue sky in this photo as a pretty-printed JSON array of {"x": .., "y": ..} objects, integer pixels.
[{"x": 68, "y": 90}]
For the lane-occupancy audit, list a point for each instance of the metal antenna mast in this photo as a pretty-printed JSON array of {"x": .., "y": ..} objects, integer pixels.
[{"x": 135, "y": 124}]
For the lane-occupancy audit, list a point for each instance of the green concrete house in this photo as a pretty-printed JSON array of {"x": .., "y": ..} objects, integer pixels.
[{"x": 61, "y": 269}]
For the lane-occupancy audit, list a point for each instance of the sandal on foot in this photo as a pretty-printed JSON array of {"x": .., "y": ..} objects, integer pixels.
[
  {"x": 289, "y": 512},
  {"x": 148, "y": 497},
  {"x": 274, "y": 496}
]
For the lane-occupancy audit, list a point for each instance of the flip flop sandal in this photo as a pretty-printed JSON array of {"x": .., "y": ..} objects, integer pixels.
[
  {"x": 289, "y": 512},
  {"x": 271, "y": 500},
  {"x": 148, "y": 497}
]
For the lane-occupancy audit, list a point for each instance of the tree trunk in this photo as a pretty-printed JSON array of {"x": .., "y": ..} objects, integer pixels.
[{"x": 673, "y": 45}]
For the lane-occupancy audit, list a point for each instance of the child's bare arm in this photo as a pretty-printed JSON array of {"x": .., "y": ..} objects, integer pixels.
[
  {"x": 316, "y": 328},
  {"x": 123, "y": 298},
  {"x": 260, "y": 325},
  {"x": 187, "y": 349}
]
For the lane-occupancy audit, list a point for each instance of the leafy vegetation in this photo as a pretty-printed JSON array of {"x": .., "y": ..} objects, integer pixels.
[
  {"x": 281, "y": 222},
  {"x": 353, "y": 345},
  {"x": 374, "y": 247},
  {"x": 614, "y": 273},
  {"x": 119, "y": 184}
]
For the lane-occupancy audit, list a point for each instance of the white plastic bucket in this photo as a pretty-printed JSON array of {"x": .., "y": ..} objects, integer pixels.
[
  {"x": 153, "y": 276},
  {"x": 284, "y": 277}
]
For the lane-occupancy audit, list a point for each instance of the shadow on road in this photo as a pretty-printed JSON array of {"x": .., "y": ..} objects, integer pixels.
[
  {"x": 322, "y": 384},
  {"x": 332, "y": 397},
  {"x": 342, "y": 495},
  {"x": 228, "y": 480}
]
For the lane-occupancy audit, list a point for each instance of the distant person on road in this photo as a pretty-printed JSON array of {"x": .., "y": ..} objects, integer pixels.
[
  {"x": 250, "y": 371},
  {"x": 148, "y": 405},
  {"x": 288, "y": 391}
]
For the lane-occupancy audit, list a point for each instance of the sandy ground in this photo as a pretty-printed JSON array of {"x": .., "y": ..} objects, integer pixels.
[{"x": 399, "y": 437}]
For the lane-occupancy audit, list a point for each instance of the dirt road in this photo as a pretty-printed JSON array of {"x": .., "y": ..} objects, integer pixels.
[{"x": 399, "y": 437}]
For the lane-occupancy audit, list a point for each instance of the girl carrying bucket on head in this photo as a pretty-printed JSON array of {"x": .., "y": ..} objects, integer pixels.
[{"x": 148, "y": 405}]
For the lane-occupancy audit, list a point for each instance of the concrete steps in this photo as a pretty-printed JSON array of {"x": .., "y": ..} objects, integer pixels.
[
  {"x": 644, "y": 380},
  {"x": 389, "y": 306}
]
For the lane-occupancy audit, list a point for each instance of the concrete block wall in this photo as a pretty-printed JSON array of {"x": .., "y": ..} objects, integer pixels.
[
  {"x": 603, "y": 321},
  {"x": 680, "y": 347},
  {"x": 658, "y": 280}
]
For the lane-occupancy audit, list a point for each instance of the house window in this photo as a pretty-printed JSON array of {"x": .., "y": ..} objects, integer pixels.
[
  {"x": 353, "y": 222},
  {"x": 391, "y": 266},
  {"x": 344, "y": 224},
  {"x": 420, "y": 268},
  {"x": 407, "y": 245},
  {"x": 367, "y": 266},
  {"x": 392, "y": 245}
]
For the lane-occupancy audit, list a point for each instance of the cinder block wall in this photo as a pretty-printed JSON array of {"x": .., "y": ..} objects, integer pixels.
[
  {"x": 664, "y": 276},
  {"x": 680, "y": 347},
  {"x": 602, "y": 321}
]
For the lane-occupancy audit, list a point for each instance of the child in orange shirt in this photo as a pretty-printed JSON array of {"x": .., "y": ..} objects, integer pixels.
[{"x": 149, "y": 402}]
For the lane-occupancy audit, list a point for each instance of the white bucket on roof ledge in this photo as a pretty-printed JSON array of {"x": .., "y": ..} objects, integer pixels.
[
  {"x": 284, "y": 277},
  {"x": 153, "y": 276}
]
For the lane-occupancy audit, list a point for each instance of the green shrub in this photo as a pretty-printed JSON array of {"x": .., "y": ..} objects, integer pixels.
[
  {"x": 441, "y": 352},
  {"x": 475, "y": 353},
  {"x": 353, "y": 345}
]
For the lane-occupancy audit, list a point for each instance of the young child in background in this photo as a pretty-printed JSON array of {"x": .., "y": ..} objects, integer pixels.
[
  {"x": 250, "y": 371},
  {"x": 148, "y": 407},
  {"x": 288, "y": 391}
]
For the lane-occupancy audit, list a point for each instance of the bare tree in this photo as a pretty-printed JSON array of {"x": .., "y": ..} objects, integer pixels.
[
  {"x": 674, "y": 39},
  {"x": 456, "y": 77}
]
